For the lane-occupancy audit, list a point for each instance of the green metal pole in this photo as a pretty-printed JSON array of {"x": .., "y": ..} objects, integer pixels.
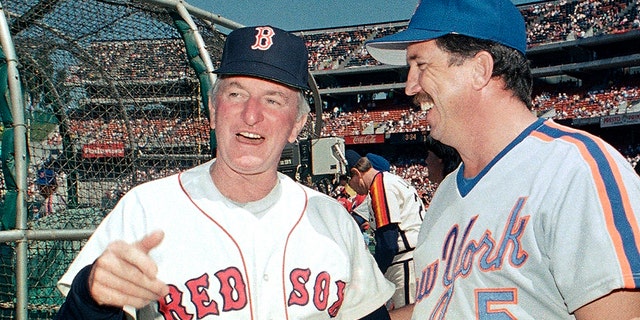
[{"x": 20, "y": 150}]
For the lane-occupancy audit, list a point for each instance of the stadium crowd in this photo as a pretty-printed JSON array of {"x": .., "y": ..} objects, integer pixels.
[
  {"x": 146, "y": 132},
  {"x": 130, "y": 59},
  {"x": 366, "y": 118},
  {"x": 593, "y": 103},
  {"x": 547, "y": 22},
  {"x": 569, "y": 20}
]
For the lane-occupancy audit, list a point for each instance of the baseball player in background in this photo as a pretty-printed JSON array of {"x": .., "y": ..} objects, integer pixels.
[
  {"x": 397, "y": 212},
  {"x": 52, "y": 201},
  {"x": 232, "y": 238},
  {"x": 540, "y": 221}
]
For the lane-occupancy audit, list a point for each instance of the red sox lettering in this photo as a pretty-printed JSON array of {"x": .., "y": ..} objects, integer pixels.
[
  {"x": 233, "y": 295},
  {"x": 300, "y": 296},
  {"x": 489, "y": 253}
]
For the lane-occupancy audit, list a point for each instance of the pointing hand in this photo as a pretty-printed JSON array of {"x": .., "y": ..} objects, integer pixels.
[{"x": 125, "y": 274}]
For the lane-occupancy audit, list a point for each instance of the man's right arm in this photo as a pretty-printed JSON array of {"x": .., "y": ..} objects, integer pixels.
[
  {"x": 124, "y": 274},
  {"x": 386, "y": 245},
  {"x": 80, "y": 305},
  {"x": 619, "y": 304}
]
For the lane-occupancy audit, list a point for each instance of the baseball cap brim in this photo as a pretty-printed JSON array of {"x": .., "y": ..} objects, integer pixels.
[
  {"x": 261, "y": 70},
  {"x": 392, "y": 49}
]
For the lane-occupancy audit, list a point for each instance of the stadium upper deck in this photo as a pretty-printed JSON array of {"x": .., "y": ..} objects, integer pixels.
[
  {"x": 585, "y": 50},
  {"x": 590, "y": 45},
  {"x": 547, "y": 23}
]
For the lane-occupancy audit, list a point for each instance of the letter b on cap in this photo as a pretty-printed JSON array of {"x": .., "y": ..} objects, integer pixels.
[{"x": 264, "y": 38}]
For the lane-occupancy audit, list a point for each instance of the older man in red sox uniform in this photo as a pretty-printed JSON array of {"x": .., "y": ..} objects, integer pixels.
[{"x": 232, "y": 238}]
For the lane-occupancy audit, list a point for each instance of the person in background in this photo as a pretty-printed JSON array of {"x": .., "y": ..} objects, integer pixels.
[
  {"x": 397, "y": 211},
  {"x": 540, "y": 221},
  {"x": 233, "y": 238},
  {"x": 361, "y": 204},
  {"x": 441, "y": 160},
  {"x": 47, "y": 185}
]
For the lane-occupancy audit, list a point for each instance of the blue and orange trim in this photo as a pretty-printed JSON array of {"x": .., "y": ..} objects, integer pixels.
[
  {"x": 379, "y": 202},
  {"x": 620, "y": 218}
]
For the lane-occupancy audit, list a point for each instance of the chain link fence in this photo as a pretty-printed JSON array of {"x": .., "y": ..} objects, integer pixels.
[{"x": 112, "y": 95}]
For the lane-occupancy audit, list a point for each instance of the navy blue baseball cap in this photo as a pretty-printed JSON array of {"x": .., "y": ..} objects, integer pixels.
[
  {"x": 266, "y": 52},
  {"x": 46, "y": 177},
  {"x": 495, "y": 20},
  {"x": 352, "y": 158}
]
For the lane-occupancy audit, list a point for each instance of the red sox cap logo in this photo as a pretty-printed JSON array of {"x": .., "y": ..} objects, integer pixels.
[
  {"x": 264, "y": 38},
  {"x": 266, "y": 52}
]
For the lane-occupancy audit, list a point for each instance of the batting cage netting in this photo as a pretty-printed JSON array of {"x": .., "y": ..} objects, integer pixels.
[{"x": 113, "y": 97}]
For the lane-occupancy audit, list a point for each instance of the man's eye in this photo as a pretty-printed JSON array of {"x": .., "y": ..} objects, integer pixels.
[
  {"x": 236, "y": 95},
  {"x": 273, "y": 102}
]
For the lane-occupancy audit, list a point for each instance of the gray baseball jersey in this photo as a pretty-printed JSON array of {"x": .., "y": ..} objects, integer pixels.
[{"x": 551, "y": 224}]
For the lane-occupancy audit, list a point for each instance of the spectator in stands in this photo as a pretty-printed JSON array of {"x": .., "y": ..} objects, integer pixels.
[
  {"x": 242, "y": 240},
  {"x": 540, "y": 220}
]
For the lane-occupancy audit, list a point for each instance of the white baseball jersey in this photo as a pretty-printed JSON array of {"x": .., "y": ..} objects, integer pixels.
[
  {"x": 364, "y": 211},
  {"x": 302, "y": 258},
  {"x": 395, "y": 200},
  {"x": 551, "y": 224}
]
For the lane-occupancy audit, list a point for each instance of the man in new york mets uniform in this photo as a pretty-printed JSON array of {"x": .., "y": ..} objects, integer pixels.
[
  {"x": 540, "y": 221},
  {"x": 232, "y": 238}
]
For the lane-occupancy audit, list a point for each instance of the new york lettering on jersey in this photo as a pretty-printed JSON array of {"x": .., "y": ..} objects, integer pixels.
[{"x": 488, "y": 254}]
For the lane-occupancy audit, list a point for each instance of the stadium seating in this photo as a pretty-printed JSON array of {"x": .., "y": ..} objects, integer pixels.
[
  {"x": 547, "y": 22},
  {"x": 343, "y": 47}
]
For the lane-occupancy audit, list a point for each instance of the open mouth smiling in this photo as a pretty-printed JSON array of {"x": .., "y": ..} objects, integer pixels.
[{"x": 249, "y": 135}]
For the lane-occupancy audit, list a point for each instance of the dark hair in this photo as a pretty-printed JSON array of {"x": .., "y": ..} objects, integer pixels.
[
  {"x": 450, "y": 157},
  {"x": 363, "y": 164},
  {"x": 509, "y": 64}
]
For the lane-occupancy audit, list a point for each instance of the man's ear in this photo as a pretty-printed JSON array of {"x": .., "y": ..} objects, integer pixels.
[
  {"x": 482, "y": 69},
  {"x": 355, "y": 172},
  {"x": 297, "y": 128}
]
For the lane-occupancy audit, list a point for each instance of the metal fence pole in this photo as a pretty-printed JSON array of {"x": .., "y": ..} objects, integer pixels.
[{"x": 20, "y": 149}]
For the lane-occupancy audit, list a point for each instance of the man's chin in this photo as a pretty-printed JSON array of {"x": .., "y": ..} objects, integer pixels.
[{"x": 434, "y": 133}]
